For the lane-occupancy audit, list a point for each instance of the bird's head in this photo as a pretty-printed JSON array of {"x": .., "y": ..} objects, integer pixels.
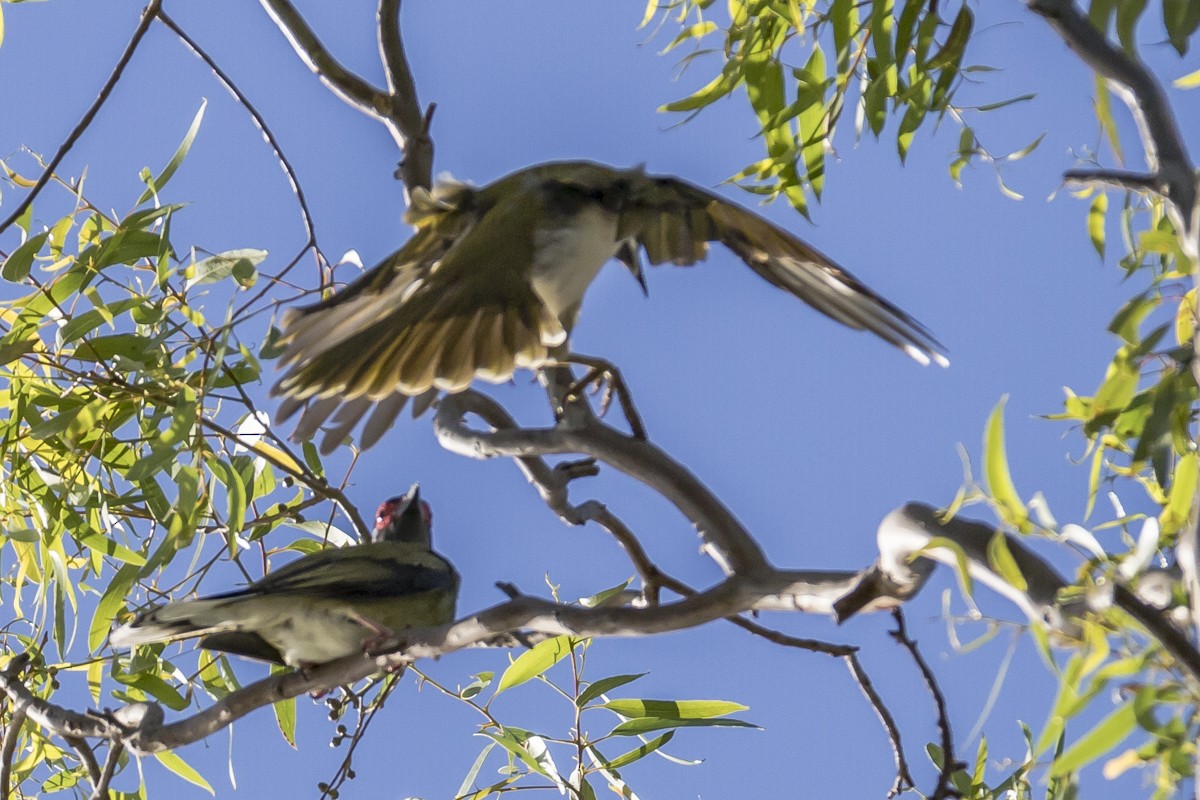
[{"x": 407, "y": 518}]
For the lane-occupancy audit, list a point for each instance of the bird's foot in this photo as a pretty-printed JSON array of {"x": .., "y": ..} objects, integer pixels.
[{"x": 605, "y": 372}]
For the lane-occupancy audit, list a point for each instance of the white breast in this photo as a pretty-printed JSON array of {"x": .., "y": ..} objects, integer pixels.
[{"x": 568, "y": 257}]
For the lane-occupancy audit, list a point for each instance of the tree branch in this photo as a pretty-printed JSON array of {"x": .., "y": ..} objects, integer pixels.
[
  {"x": 9, "y": 748},
  {"x": 904, "y": 780},
  {"x": 725, "y": 539},
  {"x": 1139, "y": 182},
  {"x": 1162, "y": 141},
  {"x": 148, "y": 15},
  {"x": 950, "y": 764},
  {"x": 310, "y": 233},
  {"x": 397, "y": 108}
]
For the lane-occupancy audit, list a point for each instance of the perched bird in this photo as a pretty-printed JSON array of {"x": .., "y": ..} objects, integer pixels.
[
  {"x": 325, "y": 605},
  {"x": 493, "y": 278}
]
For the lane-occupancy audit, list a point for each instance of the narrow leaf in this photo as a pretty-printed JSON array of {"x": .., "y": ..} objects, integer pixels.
[{"x": 534, "y": 662}]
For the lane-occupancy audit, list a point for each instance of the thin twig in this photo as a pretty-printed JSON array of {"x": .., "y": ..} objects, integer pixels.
[
  {"x": 904, "y": 780},
  {"x": 950, "y": 764},
  {"x": 314, "y": 482},
  {"x": 148, "y": 15},
  {"x": 306, "y": 218}
]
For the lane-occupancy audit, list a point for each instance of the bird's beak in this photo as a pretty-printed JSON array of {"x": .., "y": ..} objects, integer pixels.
[
  {"x": 411, "y": 497},
  {"x": 628, "y": 255}
]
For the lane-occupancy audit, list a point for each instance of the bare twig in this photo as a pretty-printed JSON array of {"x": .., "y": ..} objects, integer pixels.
[
  {"x": 310, "y": 233},
  {"x": 416, "y": 167},
  {"x": 1139, "y": 182},
  {"x": 315, "y": 483},
  {"x": 1161, "y": 628},
  {"x": 950, "y": 764},
  {"x": 904, "y": 780},
  {"x": 148, "y": 15}
]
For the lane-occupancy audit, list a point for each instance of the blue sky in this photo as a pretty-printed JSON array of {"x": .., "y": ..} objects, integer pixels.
[{"x": 809, "y": 432}]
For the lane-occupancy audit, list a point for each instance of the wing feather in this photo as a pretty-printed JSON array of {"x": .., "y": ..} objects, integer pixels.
[{"x": 673, "y": 221}]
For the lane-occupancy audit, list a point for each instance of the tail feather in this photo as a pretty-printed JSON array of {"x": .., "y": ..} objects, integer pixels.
[{"x": 173, "y": 621}]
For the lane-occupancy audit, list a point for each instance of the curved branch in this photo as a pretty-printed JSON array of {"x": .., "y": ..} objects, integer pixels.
[
  {"x": 8, "y": 750},
  {"x": 724, "y": 537},
  {"x": 1162, "y": 141},
  {"x": 148, "y": 15},
  {"x": 310, "y": 233},
  {"x": 397, "y": 108}
]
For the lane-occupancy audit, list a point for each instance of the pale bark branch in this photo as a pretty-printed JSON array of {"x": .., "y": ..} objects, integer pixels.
[
  {"x": 396, "y": 107},
  {"x": 1172, "y": 176},
  {"x": 8, "y": 750},
  {"x": 100, "y": 791},
  {"x": 87, "y": 756},
  {"x": 726, "y": 539},
  {"x": 140, "y": 727}
]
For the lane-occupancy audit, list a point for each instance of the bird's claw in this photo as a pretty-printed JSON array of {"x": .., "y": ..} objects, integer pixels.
[{"x": 603, "y": 372}]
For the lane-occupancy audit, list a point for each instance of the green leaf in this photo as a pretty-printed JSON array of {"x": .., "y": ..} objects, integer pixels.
[
  {"x": 1128, "y": 12},
  {"x": 597, "y": 688},
  {"x": 239, "y": 264},
  {"x": 1002, "y": 562},
  {"x": 995, "y": 470},
  {"x": 1181, "y": 17},
  {"x": 640, "y": 752},
  {"x": 180, "y": 152},
  {"x": 469, "y": 780},
  {"x": 1189, "y": 81},
  {"x": 94, "y": 540},
  {"x": 673, "y": 709},
  {"x": 17, "y": 265},
  {"x": 515, "y": 744},
  {"x": 183, "y": 770},
  {"x": 285, "y": 713},
  {"x": 950, "y": 56},
  {"x": 1109, "y": 733},
  {"x": 717, "y": 88},
  {"x": 640, "y": 725},
  {"x": 1179, "y": 501},
  {"x": 1095, "y": 222},
  {"x": 534, "y": 662}
]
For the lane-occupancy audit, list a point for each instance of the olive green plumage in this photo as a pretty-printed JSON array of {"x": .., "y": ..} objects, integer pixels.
[
  {"x": 325, "y": 605},
  {"x": 493, "y": 278}
]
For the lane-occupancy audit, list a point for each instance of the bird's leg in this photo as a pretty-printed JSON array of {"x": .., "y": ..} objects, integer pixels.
[
  {"x": 379, "y": 633},
  {"x": 600, "y": 369}
]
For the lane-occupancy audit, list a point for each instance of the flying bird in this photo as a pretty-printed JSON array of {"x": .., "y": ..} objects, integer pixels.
[
  {"x": 493, "y": 278},
  {"x": 324, "y": 606}
]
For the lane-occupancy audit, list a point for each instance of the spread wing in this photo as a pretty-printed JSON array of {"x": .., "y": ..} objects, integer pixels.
[
  {"x": 673, "y": 221},
  {"x": 414, "y": 325}
]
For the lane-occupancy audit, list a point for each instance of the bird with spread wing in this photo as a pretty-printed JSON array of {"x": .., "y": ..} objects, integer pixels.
[{"x": 493, "y": 278}]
